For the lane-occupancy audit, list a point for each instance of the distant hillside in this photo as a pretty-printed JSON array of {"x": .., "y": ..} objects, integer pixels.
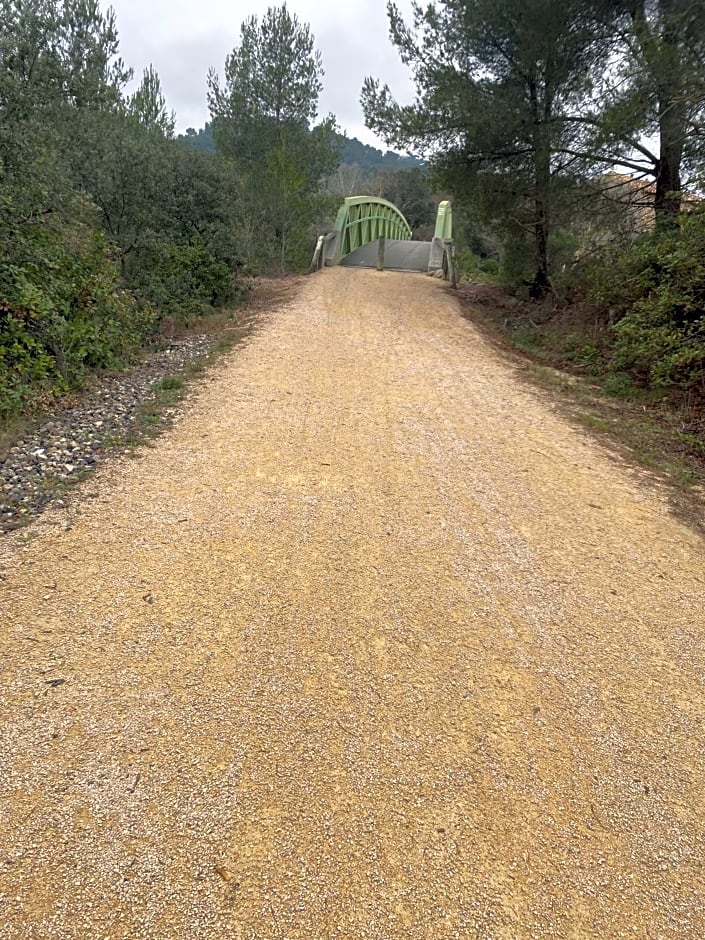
[
  {"x": 352, "y": 151},
  {"x": 199, "y": 140}
]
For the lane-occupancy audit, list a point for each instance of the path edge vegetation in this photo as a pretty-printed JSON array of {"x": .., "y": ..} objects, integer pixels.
[
  {"x": 570, "y": 138},
  {"x": 648, "y": 431},
  {"x": 225, "y": 331}
]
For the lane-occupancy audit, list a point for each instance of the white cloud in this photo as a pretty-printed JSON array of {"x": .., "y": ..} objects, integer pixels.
[{"x": 183, "y": 40}]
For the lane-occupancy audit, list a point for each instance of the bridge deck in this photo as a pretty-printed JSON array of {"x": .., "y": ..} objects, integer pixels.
[{"x": 399, "y": 256}]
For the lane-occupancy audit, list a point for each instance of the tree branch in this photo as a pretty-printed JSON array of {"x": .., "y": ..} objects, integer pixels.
[
  {"x": 608, "y": 161},
  {"x": 593, "y": 122}
]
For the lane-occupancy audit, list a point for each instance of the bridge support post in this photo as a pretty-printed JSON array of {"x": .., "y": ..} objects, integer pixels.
[
  {"x": 318, "y": 259},
  {"x": 449, "y": 264},
  {"x": 381, "y": 248}
]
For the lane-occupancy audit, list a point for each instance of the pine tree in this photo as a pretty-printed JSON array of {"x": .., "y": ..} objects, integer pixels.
[
  {"x": 497, "y": 83},
  {"x": 263, "y": 118}
]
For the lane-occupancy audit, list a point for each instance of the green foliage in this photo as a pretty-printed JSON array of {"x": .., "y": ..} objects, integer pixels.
[
  {"x": 170, "y": 383},
  {"x": 269, "y": 98},
  {"x": 520, "y": 102},
  {"x": 466, "y": 265},
  {"x": 489, "y": 266},
  {"x": 354, "y": 153},
  {"x": 182, "y": 281},
  {"x": 148, "y": 105},
  {"x": 655, "y": 91},
  {"x": 107, "y": 226},
  {"x": 527, "y": 339},
  {"x": 262, "y": 120},
  {"x": 655, "y": 294},
  {"x": 62, "y": 314},
  {"x": 272, "y": 79},
  {"x": 498, "y": 84},
  {"x": 583, "y": 353},
  {"x": 516, "y": 264},
  {"x": 201, "y": 139},
  {"x": 619, "y": 385},
  {"x": 169, "y": 391}
]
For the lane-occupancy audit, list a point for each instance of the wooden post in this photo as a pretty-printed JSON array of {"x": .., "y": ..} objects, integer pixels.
[
  {"x": 451, "y": 268},
  {"x": 449, "y": 272},
  {"x": 380, "y": 253}
]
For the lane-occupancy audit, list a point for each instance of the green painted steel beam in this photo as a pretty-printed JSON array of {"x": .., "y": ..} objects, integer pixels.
[
  {"x": 444, "y": 221},
  {"x": 363, "y": 219}
]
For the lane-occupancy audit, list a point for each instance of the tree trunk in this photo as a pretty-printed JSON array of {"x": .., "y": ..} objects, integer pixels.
[
  {"x": 667, "y": 203},
  {"x": 672, "y": 119},
  {"x": 541, "y": 281},
  {"x": 660, "y": 43},
  {"x": 542, "y": 195}
]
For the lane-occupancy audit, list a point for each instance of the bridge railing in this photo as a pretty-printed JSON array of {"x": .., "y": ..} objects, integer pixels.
[{"x": 363, "y": 219}]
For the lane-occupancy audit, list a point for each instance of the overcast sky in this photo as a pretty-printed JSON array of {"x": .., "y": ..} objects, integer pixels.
[{"x": 183, "y": 38}]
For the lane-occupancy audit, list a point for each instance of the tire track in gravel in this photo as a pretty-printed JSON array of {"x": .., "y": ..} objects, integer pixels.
[{"x": 372, "y": 644}]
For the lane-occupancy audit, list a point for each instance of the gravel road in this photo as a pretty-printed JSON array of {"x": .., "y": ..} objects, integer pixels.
[
  {"x": 73, "y": 439},
  {"x": 371, "y": 644}
]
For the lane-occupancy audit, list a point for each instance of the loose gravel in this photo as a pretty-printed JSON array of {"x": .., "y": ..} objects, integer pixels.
[
  {"x": 71, "y": 441},
  {"x": 371, "y": 644}
]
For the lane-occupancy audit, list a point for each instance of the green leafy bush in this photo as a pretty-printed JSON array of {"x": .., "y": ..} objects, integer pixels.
[
  {"x": 62, "y": 313},
  {"x": 583, "y": 353},
  {"x": 183, "y": 281},
  {"x": 619, "y": 385},
  {"x": 489, "y": 266},
  {"x": 654, "y": 293},
  {"x": 466, "y": 264}
]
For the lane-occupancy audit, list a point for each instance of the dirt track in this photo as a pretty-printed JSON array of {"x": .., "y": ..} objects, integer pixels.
[{"x": 372, "y": 645}]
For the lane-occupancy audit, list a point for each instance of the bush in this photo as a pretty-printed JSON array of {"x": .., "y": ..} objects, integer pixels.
[
  {"x": 183, "y": 281},
  {"x": 465, "y": 264},
  {"x": 655, "y": 294},
  {"x": 489, "y": 266},
  {"x": 584, "y": 353},
  {"x": 619, "y": 385},
  {"x": 63, "y": 312}
]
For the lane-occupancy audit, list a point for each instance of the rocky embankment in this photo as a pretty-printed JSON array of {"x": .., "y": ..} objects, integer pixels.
[{"x": 72, "y": 440}]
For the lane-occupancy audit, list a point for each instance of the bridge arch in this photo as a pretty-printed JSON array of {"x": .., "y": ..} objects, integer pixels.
[{"x": 364, "y": 219}]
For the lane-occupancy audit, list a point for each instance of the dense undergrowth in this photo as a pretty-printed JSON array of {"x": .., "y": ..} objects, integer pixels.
[
  {"x": 110, "y": 231},
  {"x": 631, "y": 315},
  {"x": 67, "y": 309}
]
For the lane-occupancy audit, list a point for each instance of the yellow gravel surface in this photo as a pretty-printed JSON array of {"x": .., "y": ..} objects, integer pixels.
[{"x": 372, "y": 644}]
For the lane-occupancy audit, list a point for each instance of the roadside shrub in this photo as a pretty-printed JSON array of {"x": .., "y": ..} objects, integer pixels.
[
  {"x": 517, "y": 265},
  {"x": 583, "y": 353},
  {"x": 654, "y": 293},
  {"x": 62, "y": 313},
  {"x": 619, "y": 385},
  {"x": 183, "y": 281},
  {"x": 466, "y": 264}
]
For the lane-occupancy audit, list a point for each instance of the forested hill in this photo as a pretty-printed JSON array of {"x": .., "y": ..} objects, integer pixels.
[{"x": 352, "y": 151}]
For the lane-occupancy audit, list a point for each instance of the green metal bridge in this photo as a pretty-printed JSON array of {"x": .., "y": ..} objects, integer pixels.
[{"x": 363, "y": 221}]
